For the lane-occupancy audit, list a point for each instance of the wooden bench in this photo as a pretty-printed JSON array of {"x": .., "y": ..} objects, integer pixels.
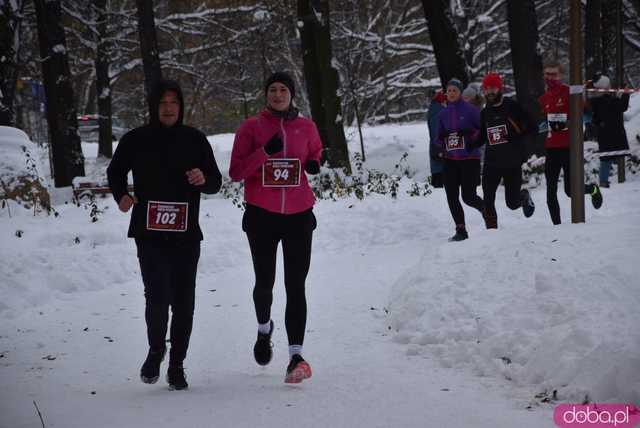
[{"x": 87, "y": 189}]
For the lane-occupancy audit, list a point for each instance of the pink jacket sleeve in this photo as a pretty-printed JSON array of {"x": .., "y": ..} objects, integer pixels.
[{"x": 245, "y": 159}]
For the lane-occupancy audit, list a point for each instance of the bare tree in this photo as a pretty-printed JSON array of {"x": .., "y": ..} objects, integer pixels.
[
  {"x": 526, "y": 60},
  {"x": 10, "y": 39},
  {"x": 148, "y": 46},
  {"x": 103, "y": 83},
  {"x": 322, "y": 80},
  {"x": 593, "y": 38},
  {"x": 444, "y": 39},
  {"x": 68, "y": 161}
]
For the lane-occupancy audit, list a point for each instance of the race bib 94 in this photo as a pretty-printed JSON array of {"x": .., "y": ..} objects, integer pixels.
[
  {"x": 281, "y": 173},
  {"x": 167, "y": 216}
]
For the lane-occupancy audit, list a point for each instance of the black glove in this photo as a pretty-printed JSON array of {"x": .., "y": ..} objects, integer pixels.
[
  {"x": 436, "y": 152},
  {"x": 312, "y": 166},
  {"x": 274, "y": 145}
]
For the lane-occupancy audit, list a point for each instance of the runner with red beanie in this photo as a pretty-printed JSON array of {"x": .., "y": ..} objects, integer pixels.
[
  {"x": 271, "y": 153},
  {"x": 504, "y": 125},
  {"x": 554, "y": 103}
]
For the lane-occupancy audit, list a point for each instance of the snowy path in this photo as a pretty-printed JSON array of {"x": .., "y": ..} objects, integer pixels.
[{"x": 361, "y": 376}]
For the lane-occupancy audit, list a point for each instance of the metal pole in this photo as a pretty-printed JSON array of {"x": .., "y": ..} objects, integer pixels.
[
  {"x": 620, "y": 76},
  {"x": 575, "y": 113}
]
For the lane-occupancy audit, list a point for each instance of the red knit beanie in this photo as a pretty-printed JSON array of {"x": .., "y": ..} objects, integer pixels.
[
  {"x": 492, "y": 80},
  {"x": 439, "y": 97}
]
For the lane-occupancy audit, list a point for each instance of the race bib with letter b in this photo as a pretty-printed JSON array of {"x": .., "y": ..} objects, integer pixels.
[
  {"x": 281, "y": 173},
  {"x": 167, "y": 216}
]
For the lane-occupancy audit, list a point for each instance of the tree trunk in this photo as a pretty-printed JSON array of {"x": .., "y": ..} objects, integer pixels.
[
  {"x": 322, "y": 80},
  {"x": 68, "y": 161},
  {"x": 444, "y": 38},
  {"x": 103, "y": 85},
  {"x": 526, "y": 62},
  {"x": 148, "y": 46},
  {"x": 10, "y": 32},
  {"x": 609, "y": 33},
  {"x": 619, "y": 76},
  {"x": 385, "y": 61},
  {"x": 593, "y": 38}
]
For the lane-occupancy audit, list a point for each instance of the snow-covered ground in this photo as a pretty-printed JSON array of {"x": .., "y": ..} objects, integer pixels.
[{"x": 405, "y": 329}]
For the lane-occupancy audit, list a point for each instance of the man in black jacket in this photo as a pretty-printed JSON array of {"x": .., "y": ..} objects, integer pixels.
[
  {"x": 504, "y": 125},
  {"x": 171, "y": 165}
]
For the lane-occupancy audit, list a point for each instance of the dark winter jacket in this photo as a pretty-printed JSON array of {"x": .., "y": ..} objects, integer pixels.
[
  {"x": 458, "y": 127},
  {"x": 503, "y": 129},
  {"x": 608, "y": 112},
  {"x": 159, "y": 158},
  {"x": 437, "y": 165}
]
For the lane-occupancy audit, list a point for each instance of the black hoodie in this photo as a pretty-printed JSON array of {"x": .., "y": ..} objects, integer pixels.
[
  {"x": 159, "y": 157},
  {"x": 512, "y": 124}
]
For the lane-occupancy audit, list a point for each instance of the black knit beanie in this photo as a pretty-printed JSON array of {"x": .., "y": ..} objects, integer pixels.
[{"x": 281, "y": 77}]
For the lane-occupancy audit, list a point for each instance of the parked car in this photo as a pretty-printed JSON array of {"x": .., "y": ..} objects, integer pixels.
[{"x": 89, "y": 130}]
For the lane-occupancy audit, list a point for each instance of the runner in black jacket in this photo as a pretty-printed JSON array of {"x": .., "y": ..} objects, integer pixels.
[
  {"x": 171, "y": 164},
  {"x": 504, "y": 125}
]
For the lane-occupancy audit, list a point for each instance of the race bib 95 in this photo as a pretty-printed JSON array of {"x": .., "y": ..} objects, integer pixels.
[
  {"x": 454, "y": 141},
  {"x": 497, "y": 135}
]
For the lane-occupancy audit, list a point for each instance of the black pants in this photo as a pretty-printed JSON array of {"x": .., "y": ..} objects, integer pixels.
[
  {"x": 169, "y": 276},
  {"x": 264, "y": 231},
  {"x": 491, "y": 177},
  {"x": 463, "y": 174},
  {"x": 555, "y": 161}
]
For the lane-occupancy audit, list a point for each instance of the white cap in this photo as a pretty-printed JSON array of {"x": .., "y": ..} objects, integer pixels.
[{"x": 602, "y": 83}]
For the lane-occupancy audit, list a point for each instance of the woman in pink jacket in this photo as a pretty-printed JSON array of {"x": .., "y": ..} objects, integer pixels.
[{"x": 271, "y": 153}]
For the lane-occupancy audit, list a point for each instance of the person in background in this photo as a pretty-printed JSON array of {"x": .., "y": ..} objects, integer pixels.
[
  {"x": 473, "y": 96},
  {"x": 438, "y": 103},
  {"x": 608, "y": 119},
  {"x": 554, "y": 104},
  {"x": 458, "y": 128}
]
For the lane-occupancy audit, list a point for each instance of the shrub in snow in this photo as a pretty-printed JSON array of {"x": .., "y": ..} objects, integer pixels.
[
  {"x": 20, "y": 180},
  {"x": 334, "y": 184}
]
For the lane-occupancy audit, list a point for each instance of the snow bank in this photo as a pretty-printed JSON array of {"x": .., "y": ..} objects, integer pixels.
[
  {"x": 550, "y": 307},
  {"x": 21, "y": 172}
]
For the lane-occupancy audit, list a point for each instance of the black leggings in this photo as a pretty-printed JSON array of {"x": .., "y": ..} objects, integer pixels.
[
  {"x": 169, "y": 276},
  {"x": 491, "y": 177},
  {"x": 556, "y": 160},
  {"x": 264, "y": 231},
  {"x": 463, "y": 174}
]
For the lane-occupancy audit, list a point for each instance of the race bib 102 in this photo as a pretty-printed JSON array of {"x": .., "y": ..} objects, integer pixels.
[
  {"x": 455, "y": 141},
  {"x": 497, "y": 135},
  {"x": 167, "y": 216},
  {"x": 281, "y": 173}
]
